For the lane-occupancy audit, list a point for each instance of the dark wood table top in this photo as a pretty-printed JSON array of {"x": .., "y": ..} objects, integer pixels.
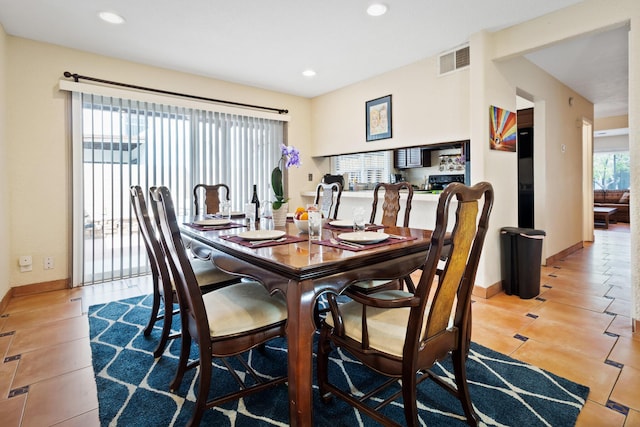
[{"x": 307, "y": 260}]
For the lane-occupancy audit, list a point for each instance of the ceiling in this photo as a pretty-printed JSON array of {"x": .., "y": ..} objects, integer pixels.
[{"x": 268, "y": 43}]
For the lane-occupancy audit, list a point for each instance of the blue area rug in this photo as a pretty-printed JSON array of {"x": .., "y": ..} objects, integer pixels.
[{"x": 133, "y": 386}]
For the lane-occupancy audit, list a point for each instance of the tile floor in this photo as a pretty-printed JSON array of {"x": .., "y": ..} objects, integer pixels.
[{"x": 578, "y": 327}]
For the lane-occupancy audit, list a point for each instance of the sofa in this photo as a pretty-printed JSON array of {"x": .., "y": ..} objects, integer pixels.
[{"x": 613, "y": 199}]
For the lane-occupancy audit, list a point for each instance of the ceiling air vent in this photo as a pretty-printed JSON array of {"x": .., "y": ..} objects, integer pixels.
[{"x": 454, "y": 60}]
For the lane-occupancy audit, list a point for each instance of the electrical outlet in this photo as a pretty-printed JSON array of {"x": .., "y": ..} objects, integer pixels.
[
  {"x": 48, "y": 263},
  {"x": 310, "y": 177},
  {"x": 26, "y": 263}
]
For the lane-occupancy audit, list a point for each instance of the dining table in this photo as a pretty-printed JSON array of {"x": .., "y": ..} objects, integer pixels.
[{"x": 302, "y": 269}]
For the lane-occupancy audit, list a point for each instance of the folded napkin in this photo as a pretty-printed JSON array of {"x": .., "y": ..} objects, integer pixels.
[
  {"x": 367, "y": 227},
  {"x": 253, "y": 243},
  {"x": 213, "y": 227},
  {"x": 390, "y": 241}
]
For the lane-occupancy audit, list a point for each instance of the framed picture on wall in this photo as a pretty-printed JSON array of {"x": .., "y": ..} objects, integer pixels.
[
  {"x": 378, "y": 118},
  {"x": 502, "y": 129}
]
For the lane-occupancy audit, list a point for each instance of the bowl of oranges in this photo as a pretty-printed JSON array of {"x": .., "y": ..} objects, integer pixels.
[{"x": 301, "y": 218}]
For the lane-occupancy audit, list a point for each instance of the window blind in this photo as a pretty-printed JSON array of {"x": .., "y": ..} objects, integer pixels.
[
  {"x": 368, "y": 168},
  {"x": 121, "y": 142}
]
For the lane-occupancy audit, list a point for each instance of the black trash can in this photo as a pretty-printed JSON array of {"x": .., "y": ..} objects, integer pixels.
[{"x": 521, "y": 259}]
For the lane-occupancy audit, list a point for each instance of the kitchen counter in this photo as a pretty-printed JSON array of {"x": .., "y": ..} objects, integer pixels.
[{"x": 423, "y": 206}]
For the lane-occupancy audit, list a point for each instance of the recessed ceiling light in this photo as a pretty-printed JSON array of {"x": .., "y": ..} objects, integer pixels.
[
  {"x": 377, "y": 9},
  {"x": 308, "y": 73},
  {"x": 111, "y": 18}
]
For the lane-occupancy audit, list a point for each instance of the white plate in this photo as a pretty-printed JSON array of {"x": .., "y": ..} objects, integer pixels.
[
  {"x": 363, "y": 237},
  {"x": 342, "y": 223},
  {"x": 261, "y": 234},
  {"x": 212, "y": 222}
]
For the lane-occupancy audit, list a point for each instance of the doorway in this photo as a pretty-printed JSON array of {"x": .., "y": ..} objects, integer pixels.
[{"x": 525, "y": 169}]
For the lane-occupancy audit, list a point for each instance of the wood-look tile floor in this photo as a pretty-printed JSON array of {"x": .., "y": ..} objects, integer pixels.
[{"x": 579, "y": 327}]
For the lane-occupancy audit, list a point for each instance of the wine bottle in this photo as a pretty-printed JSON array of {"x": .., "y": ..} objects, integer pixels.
[{"x": 256, "y": 201}]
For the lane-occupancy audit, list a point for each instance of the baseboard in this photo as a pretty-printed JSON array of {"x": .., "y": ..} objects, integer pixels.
[
  {"x": 486, "y": 293},
  {"x": 564, "y": 253},
  {"x": 36, "y": 288},
  {"x": 4, "y": 303}
]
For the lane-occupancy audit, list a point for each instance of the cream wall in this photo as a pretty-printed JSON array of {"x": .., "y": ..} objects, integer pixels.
[
  {"x": 4, "y": 172},
  {"x": 37, "y": 137},
  {"x": 558, "y": 153},
  {"x": 426, "y": 109}
]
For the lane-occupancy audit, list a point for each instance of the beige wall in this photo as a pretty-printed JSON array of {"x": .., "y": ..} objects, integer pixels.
[
  {"x": 615, "y": 122},
  {"x": 4, "y": 172},
  {"x": 38, "y": 135},
  {"x": 558, "y": 153},
  {"x": 426, "y": 109}
]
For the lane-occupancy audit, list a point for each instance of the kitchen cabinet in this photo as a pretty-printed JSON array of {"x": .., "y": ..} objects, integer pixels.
[{"x": 412, "y": 158}]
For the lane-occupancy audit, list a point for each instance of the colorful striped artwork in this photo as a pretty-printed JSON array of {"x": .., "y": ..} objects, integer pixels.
[{"x": 502, "y": 129}]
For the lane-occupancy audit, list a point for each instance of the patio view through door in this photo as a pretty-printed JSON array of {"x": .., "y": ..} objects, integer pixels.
[{"x": 120, "y": 142}]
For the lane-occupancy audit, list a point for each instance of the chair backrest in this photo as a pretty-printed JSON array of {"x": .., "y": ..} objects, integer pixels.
[
  {"x": 211, "y": 194},
  {"x": 150, "y": 237},
  {"x": 391, "y": 203},
  {"x": 446, "y": 314},
  {"x": 328, "y": 199},
  {"x": 192, "y": 312}
]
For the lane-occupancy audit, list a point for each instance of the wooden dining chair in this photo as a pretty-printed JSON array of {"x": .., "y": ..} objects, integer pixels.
[
  {"x": 391, "y": 203},
  {"x": 211, "y": 195},
  {"x": 207, "y": 275},
  {"x": 328, "y": 199},
  {"x": 402, "y": 334},
  {"x": 390, "y": 210},
  {"x": 389, "y": 217},
  {"x": 223, "y": 323}
]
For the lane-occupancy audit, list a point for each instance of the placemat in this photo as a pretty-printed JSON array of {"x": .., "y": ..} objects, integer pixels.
[
  {"x": 390, "y": 241},
  {"x": 367, "y": 227},
  {"x": 258, "y": 244},
  {"x": 214, "y": 227}
]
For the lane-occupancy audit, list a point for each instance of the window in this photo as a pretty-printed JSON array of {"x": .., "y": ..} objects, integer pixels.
[
  {"x": 611, "y": 171},
  {"x": 364, "y": 168},
  {"x": 121, "y": 142}
]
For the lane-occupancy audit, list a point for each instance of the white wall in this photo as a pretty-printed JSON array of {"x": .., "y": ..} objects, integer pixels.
[
  {"x": 4, "y": 172},
  {"x": 38, "y": 138}
]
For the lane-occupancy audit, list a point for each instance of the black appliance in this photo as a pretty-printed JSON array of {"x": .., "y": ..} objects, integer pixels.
[
  {"x": 438, "y": 182},
  {"x": 330, "y": 179}
]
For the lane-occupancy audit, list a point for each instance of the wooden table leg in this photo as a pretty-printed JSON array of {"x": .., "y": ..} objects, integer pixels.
[{"x": 300, "y": 330}]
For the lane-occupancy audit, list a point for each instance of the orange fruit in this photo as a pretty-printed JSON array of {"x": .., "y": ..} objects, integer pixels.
[
  {"x": 300, "y": 210},
  {"x": 304, "y": 216}
]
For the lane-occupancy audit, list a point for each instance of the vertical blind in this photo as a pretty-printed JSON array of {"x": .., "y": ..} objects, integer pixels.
[{"x": 121, "y": 142}]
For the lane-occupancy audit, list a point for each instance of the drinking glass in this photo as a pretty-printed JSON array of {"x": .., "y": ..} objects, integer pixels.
[
  {"x": 315, "y": 225},
  {"x": 250, "y": 215},
  {"x": 225, "y": 209},
  {"x": 266, "y": 221},
  {"x": 358, "y": 219}
]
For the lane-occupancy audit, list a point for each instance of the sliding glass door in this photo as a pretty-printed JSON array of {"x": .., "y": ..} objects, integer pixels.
[{"x": 120, "y": 142}]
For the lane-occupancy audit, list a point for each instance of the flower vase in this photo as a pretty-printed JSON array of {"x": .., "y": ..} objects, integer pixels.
[{"x": 280, "y": 215}]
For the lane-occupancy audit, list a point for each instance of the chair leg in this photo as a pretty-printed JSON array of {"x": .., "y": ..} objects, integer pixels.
[
  {"x": 166, "y": 327},
  {"x": 324, "y": 348},
  {"x": 154, "y": 308},
  {"x": 203, "y": 387},
  {"x": 409, "y": 385},
  {"x": 184, "y": 359},
  {"x": 459, "y": 358}
]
